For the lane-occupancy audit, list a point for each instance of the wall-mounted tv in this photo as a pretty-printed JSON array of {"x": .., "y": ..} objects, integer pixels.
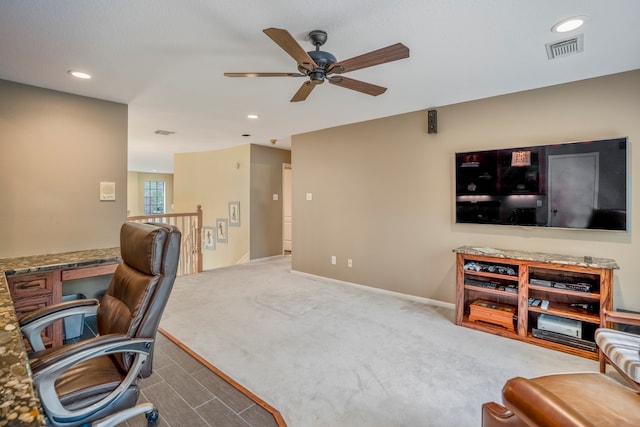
[{"x": 576, "y": 185}]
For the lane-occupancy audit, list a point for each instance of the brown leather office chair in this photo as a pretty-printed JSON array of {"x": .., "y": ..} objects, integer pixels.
[
  {"x": 96, "y": 380},
  {"x": 582, "y": 399}
]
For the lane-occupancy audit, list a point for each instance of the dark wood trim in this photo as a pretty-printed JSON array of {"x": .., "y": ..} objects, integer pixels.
[{"x": 82, "y": 273}]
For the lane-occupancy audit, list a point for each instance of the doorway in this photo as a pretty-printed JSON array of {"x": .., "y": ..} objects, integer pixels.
[{"x": 573, "y": 189}]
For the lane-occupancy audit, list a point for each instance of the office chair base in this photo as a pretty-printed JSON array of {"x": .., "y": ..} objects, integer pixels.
[
  {"x": 145, "y": 408},
  {"x": 152, "y": 417}
]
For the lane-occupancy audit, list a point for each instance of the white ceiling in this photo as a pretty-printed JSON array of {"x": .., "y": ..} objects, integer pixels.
[{"x": 166, "y": 59}]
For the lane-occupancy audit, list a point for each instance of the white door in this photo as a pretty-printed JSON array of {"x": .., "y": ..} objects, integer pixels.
[
  {"x": 286, "y": 209},
  {"x": 573, "y": 189}
]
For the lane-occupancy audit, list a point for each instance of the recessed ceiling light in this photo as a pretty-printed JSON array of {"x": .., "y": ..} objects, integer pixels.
[
  {"x": 252, "y": 116},
  {"x": 568, "y": 24},
  {"x": 79, "y": 74}
]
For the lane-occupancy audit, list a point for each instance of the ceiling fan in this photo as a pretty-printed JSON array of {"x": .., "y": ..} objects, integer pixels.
[{"x": 319, "y": 65}]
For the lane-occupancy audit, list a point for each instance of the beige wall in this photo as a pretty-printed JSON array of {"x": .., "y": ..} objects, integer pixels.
[
  {"x": 266, "y": 213},
  {"x": 383, "y": 190},
  {"x": 56, "y": 148},
  {"x": 213, "y": 179},
  {"x": 135, "y": 191},
  {"x": 249, "y": 174}
]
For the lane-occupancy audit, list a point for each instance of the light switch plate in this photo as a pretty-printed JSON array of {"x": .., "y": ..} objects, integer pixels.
[
  {"x": 275, "y": 196},
  {"x": 309, "y": 196},
  {"x": 107, "y": 191}
]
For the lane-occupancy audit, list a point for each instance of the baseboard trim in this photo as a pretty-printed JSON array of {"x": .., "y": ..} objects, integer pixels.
[
  {"x": 273, "y": 411},
  {"x": 268, "y": 258},
  {"x": 423, "y": 300}
]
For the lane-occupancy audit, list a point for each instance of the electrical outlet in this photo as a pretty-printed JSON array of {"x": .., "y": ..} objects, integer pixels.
[
  {"x": 333, "y": 260},
  {"x": 349, "y": 263}
]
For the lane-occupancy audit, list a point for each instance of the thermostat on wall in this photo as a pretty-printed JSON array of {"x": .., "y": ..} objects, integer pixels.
[{"x": 107, "y": 191}]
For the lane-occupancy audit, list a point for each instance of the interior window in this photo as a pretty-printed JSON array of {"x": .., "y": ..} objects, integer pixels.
[{"x": 154, "y": 197}]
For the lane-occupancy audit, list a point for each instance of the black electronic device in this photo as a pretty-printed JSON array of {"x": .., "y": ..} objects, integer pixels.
[
  {"x": 577, "y": 185},
  {"x": 564, "y": 339},
  {"x": 580, "y": 286}
]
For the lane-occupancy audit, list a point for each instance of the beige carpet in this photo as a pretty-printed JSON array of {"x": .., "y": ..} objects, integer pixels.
[{"x": 326, "y": 353}]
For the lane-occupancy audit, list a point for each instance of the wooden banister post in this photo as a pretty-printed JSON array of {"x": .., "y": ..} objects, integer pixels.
[{"x": 199, "y": 239}]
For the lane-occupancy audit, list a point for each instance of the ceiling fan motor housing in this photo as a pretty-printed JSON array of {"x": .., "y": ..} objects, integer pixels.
[{"x": 323, "y": 60}]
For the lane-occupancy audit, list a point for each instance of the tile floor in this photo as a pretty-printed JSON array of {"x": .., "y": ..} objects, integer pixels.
[{"x": 187, "y": 393}]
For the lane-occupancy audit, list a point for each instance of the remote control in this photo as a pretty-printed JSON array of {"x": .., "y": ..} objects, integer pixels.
[{"x": 545, "y": 304}]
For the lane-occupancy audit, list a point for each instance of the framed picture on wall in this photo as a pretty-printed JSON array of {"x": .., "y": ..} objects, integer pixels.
[
  {"x": 209, "y": 238},
  {"x": 234, "y": 214},
  {"x": 221, "y": 230}
]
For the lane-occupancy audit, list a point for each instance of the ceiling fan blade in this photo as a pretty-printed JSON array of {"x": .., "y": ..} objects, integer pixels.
[
  {"x": 303, "y": 92},
  {"x": 375, "y": 57},
  {"x": 264, "y": 75},
  {"x": 290, "y": 45},
  {"x": 357, "y": 85}
]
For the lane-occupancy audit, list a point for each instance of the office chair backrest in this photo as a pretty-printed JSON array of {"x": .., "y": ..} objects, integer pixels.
[{"x": 140, "y": 287}]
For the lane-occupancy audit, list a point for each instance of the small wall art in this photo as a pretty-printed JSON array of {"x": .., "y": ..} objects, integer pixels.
[
  {"x": 234, "y": 214},
  {"x": 209, "y": 238},
  {"x": 221, "y": 230}
]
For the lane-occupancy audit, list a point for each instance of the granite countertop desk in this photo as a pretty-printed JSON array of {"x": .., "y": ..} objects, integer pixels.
[{"x": 20, "y": 405}]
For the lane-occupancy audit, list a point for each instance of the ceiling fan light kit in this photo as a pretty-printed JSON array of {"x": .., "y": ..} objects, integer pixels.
[{"x": 318, "y": 65}]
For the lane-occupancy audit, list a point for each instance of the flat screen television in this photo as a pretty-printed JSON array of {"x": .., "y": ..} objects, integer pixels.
[{"x": 575, "y": 185}]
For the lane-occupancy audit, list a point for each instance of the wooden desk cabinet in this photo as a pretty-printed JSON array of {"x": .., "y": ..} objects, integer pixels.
[
  {"x": 35, "y": 290},
  {"x": 31, "y": 291}
]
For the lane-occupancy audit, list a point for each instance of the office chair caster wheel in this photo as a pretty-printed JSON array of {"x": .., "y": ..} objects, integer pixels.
[{"x": 152, "y": 418}]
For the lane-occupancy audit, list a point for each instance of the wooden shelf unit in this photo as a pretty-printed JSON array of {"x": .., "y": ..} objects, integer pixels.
[{"x": 472, "y": 285}]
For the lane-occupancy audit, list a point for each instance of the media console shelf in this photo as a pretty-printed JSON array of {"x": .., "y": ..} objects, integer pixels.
[{"x": 557, "y": 300}]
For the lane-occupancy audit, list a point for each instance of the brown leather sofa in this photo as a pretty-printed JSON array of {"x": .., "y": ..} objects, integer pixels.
[
  {"x": 97, "y": 379},
  {"x": 564, "y": 400},
  {"x": 581, "y": 399}
]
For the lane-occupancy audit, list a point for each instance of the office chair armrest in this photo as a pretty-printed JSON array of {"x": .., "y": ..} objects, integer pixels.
[
  {"x": 622, "y": 317},
  {"x": 89, "y": 348},
  {"x": 48, "y": 368},
  {"x": 33, "y": 323},
  {"x": 120, "y": 417}
]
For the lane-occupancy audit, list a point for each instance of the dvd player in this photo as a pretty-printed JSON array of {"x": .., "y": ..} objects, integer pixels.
[{"x": 580, "y": 287}]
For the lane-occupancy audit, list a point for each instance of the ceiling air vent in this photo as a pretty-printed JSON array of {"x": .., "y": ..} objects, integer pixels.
[{"x": 566, "y": 47}]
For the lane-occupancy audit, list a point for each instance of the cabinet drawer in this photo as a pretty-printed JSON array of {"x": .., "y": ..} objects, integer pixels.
[
  {"x": 30, "y": 284},
  {"x": 26, "y": 305}
]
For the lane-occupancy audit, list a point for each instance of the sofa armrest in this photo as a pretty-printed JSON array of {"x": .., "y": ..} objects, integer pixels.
[
  {"x": 538, "y": 407},
  {"x": 496, "y": 415},
  {"x": 622, "y": 317}
]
